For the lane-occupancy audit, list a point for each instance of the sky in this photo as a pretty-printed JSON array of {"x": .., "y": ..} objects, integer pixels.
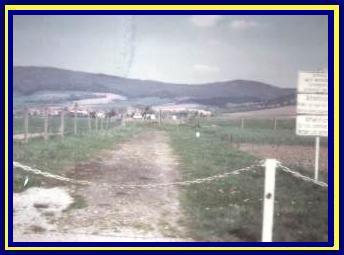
[{"x": 178, "y": 49}]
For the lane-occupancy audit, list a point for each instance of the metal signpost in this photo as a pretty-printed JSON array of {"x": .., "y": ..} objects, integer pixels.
[{"x": 312, "y": 109}]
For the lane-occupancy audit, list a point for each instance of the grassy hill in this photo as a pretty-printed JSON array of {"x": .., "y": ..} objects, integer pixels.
[{"x": 28, "y": 80}]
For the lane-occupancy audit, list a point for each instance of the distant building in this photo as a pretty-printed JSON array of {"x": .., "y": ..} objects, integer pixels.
[
  {"x": 150, "y": 116},
  {"x": 137, "y": 115},
  {"x": 183, "y": 109},
  {"x": 36, "y": 111},
  {"x": 100, "y": 115},
  {"x": 204, "y": 113}
]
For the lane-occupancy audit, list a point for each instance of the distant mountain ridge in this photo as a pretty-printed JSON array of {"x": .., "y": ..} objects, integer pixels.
[{"x": 31, "y": 79}]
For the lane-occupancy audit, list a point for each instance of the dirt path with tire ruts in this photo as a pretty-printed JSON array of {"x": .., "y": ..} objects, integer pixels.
[{"x": 104, "y": 211}]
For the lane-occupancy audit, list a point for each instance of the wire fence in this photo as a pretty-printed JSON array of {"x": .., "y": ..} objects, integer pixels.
[{"x": 26, "y": 126}]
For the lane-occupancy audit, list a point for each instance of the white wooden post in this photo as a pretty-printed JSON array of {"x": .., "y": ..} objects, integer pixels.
[
  {"x": 316, "y": 163},
  {"x": 269, "y": 197},
  {"x": 75, "y": 123},
  {"x": 89, "y": 122}
]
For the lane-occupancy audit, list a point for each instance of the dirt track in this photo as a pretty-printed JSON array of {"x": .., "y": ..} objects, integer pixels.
[
  {"x": 110, "y": 213},
  {"x": 291, "y": 155}
]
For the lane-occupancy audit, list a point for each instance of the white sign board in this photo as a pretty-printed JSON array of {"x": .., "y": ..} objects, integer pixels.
[
  {"x": 312, "y": 125},
  {"x": 313, "y": 82},
  {"x": 312, "y": 104}
]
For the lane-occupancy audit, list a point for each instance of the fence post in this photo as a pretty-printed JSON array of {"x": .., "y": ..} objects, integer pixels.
[
  {"x": 275, "y": 123},
  {"x": 96, "y": 123},
  {"x": 62, "y": 123},
  {"x": 159, "y": 117},
  {"x": 89, "y": 123},
  {"x": 242, "y": 123},
  {"x": 26, "y": 125},
  {"x": 269, "y": 197},
  {"x": 107, "y": 123},
  {"x": 46, "y": 124},
  {"x": 101, "y": 123},
  {"x": 75, "y": 123},
  {"x": 316, "y": 163}
]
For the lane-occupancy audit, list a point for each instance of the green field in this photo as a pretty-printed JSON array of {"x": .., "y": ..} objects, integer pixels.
[
  {"x": 259, "y": 131},
  {"x": 284, "y": 124},
  {"x": 231, "y": 208},
  {"x": 228, "y": 209}
]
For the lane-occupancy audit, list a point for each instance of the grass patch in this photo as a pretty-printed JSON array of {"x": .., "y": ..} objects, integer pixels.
[
  {"x": 269, "y": 123},
  {"x": 57, "y": 154},
  {"x": 258, "y": 131},
  {"x": 230, "y": 209},
  {"x": 19, "y": 179}
]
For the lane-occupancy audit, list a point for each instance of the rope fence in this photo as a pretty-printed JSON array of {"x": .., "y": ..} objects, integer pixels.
[
  {"x": 254, "y": 166},
  {"x": 301, "y": 176}
]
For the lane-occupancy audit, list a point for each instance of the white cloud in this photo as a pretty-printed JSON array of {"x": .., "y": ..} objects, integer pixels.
[
  {"x": 242, "y": 24},
  {"x": 205, "y": 20},
  {"x": 205, "y": 69}
]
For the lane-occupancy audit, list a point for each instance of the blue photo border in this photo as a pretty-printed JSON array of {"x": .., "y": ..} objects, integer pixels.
[{"x": 328, "y": 13}]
